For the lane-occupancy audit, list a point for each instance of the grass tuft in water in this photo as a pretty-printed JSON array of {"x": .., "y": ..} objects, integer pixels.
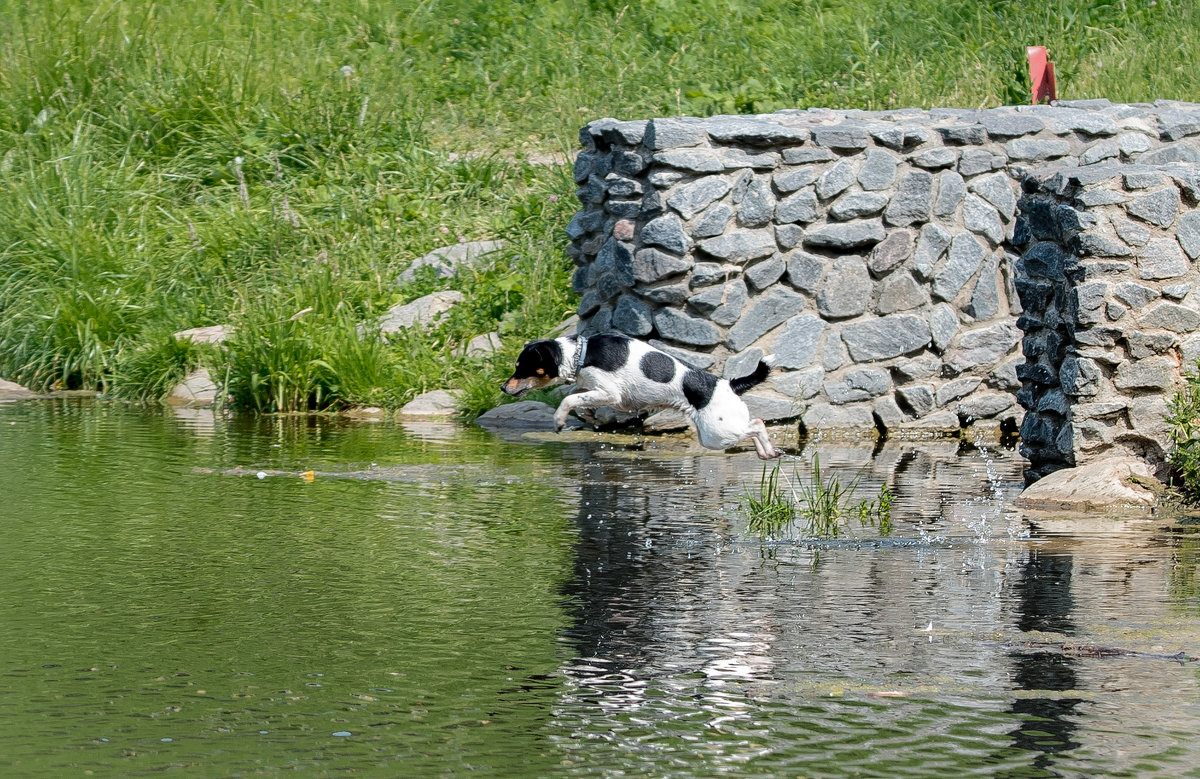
[{"x": 824, "y": 502}]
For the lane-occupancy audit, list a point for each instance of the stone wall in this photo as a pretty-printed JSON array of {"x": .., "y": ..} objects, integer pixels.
[
  {"x": 872, "y": 252},
  {"x": 1110, "y": 319}
]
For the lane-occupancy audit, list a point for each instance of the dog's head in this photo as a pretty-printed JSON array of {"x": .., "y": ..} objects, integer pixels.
[{"x": 537, "y": 367}]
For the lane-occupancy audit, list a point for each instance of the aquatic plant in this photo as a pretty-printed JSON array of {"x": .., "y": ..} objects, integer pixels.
[
  {"x": 1184, "y": 457},
  {"x": 823, "y": 501}
]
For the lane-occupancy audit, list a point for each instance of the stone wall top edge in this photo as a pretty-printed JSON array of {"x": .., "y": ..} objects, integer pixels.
[{"x": 1175, "y": 119}]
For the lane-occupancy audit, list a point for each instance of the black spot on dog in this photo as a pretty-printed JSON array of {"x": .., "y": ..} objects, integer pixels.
[
  {"x": 543, "y": 356},
  {"x": 698, "y": 387},
  {"x": 607, "y": 352},
  {"x": 657, "y": 366}
]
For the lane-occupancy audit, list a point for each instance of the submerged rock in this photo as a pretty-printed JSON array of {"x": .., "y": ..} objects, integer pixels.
[{"x": 197, "y": 390}]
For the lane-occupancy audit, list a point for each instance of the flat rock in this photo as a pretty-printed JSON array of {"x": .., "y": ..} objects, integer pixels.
[
  {"x": 524, "y": 414},
  {"x": 446, "y": 260},
  {"x": 438, "y": 403},
  {"x": 1101, "y": 485},
  {"x": 197, "y": 390},
  {"x": 422, "y": 311},
  {"x": 13, "y": 391}
]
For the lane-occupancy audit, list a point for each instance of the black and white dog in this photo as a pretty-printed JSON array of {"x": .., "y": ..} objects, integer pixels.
[{"x": 628, "y": 375}]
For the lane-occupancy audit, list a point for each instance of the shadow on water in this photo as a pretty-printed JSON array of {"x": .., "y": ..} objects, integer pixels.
[{"x": 434, "y": 599}]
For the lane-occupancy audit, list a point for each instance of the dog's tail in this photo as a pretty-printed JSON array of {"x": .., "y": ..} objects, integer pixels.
[{"x": 754, "y": 379}]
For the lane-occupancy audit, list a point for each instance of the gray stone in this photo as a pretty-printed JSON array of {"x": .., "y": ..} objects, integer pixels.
[
  {"x": 982, "y": 219},
  {"x": 722, "y": 305},
  {"x": 677, "y": 326},
  {"x": 835, "y": 180},
  {"x": 1152, "y": 373},
  {"x": 983, "y": 346},
  {"x": 1188, "y": 233},
  {"x": 943, "y": 325},
  {"x": 687, "y": 357},
  {"x": 1173, "y": 125},
  {"x": 878, "y": 170},
  {"x": 523, "y": 415},
  {"x": 705, "y": 273},
  {"x": 621, "y": 186},
  {"x": 1093, "y": 486},
  {"x": 1100, "y": 197},
  {"x": 674, "y": 133},
  {"x": 937, "y": 157},
  {"x": 913, "y": 199},
  {"x": 763, "y": 274},
  {"x": 1131, "y": 233},
  {"x": 796, "y": 345},
  {"x": 1134, "y": 295},
  {"x": 963, "y": 134},
  {"x": 805, "y": 270},
  {"x": 884, "y": 338},
  {"x": 1089, "y": 299},
  {"x": 210, "y": 334},
  {"x": 825, "y": 416},
  {"x": 1177, "y": 291},
  {"x": 856, "y": 205},
  {"x": 891, "y": 251},
  {"x": 788, "y": 236},
  {"x": 919, "y": 368},
  {"x": 931, "y": 243},
  {"x": 951, "y": 191},
  {"x": 953, "y": 390},
  {"x": 1099, "y": 152},
  {"x": 742, "y": 364},
  {"x": 771, "y": 408},
  {"x": 740, "y": 184},
  {"x": 1158, "y": 208},
  {"x": 997, "y": 190},
  {"x": 1031, "y": 150},
  {"x": 666, "y": 421},
  {"x": 691, "y": 199},
  {"x": 798, "y": 207},
  {"x": 1142, "y": 179},
  {"x": 446, "y": 261},
  {"x": 1089, "y": 123},
  {"x": 800, "y": 384},
  {"x": 754, "y": 131},
  {"x": 847, "y": 137},
  {"x": 846, "y": 235},
  {"x": 858, "y": 384},
  {"x": 1184, "y": 151},
  {"x": 899, "y": 137},
  {"x": 1170, "y": 316},
  {"x": 651, "y": 265},
  {"x": 767, "y": 311},
  {"x": 918, "y": 399},
  {"x": 197, "y": 390},
  {"x": 1162, "y": 258},
  {"x": 805, "y": 156},
  {"x": 693, "y": 160},
  {"x": 438, "y": 403},
  {"x": 671, "y": 294},
  {"x": 713, "y": 222},
  {"x": 736, "y": 159},
  {"x": 665, "y": 179},
  {"x": 613, "y": 131},
  {"x": 632, "y": 317},
  {"x": 1133, "y": 143},
  {"x": 847, "y": 289},
  {"x": 740, "y": 245},
  {"x": 485, "y": 344},
  {"x": 793, "y": 179},
  {"x": 964, "y": 258},
  {"x": 425, "y": 310},
  {"x": 985, "y": 300},
  {"x": 758, "y": 204},
  {"x": 985, "y": 405},
  {"x": 1147, "y": 344},
  {"x": 666, "y": 231},
  {"x": 833, "y": 353},
  {"x": 976, "y": 161},
  {"x": 1003, "y": 123},
  {"x": 900, "y": 292}
]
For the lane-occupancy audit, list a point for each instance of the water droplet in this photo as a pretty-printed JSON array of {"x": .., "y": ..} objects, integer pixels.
[
  {"x": 341, "y": 733},
  {"x": 261, "y": 474},
  {"x": 166, "y": 740}
]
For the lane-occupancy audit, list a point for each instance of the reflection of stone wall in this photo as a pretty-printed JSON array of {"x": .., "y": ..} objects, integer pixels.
[
  {"x": 1110, "y": 320},
  {"x": 870, "y": 251}
]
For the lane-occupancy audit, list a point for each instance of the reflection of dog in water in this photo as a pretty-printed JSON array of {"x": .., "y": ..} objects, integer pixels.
[{"x": 628, "y": 375}]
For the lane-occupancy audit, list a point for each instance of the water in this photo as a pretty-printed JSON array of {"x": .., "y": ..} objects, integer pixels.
[{"x": 438, "y": 600}]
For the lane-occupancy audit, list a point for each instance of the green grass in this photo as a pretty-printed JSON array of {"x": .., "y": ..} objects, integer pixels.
[
  {"x": 822, "y": 500},
  {"x": 166, "y": 166}
]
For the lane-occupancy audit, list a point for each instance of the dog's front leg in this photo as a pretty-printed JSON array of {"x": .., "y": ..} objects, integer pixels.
[
  {"x": 588, "y": 399},
  {"x": 762, "y": 442}
]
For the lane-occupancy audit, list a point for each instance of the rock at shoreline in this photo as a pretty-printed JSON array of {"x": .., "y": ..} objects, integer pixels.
[
  {"x": 1102, "y": 485},
  {"x": 197, "y": 390},
  {"x": 438, "y": 403},
  {"x": 12, "y": 391}
]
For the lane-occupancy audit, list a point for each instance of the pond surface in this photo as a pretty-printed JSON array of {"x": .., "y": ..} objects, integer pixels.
[{"x": 177, "y": 597}]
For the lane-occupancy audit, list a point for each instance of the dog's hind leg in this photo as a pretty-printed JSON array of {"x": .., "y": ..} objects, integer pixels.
[{"x": 588, "y": 399}]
